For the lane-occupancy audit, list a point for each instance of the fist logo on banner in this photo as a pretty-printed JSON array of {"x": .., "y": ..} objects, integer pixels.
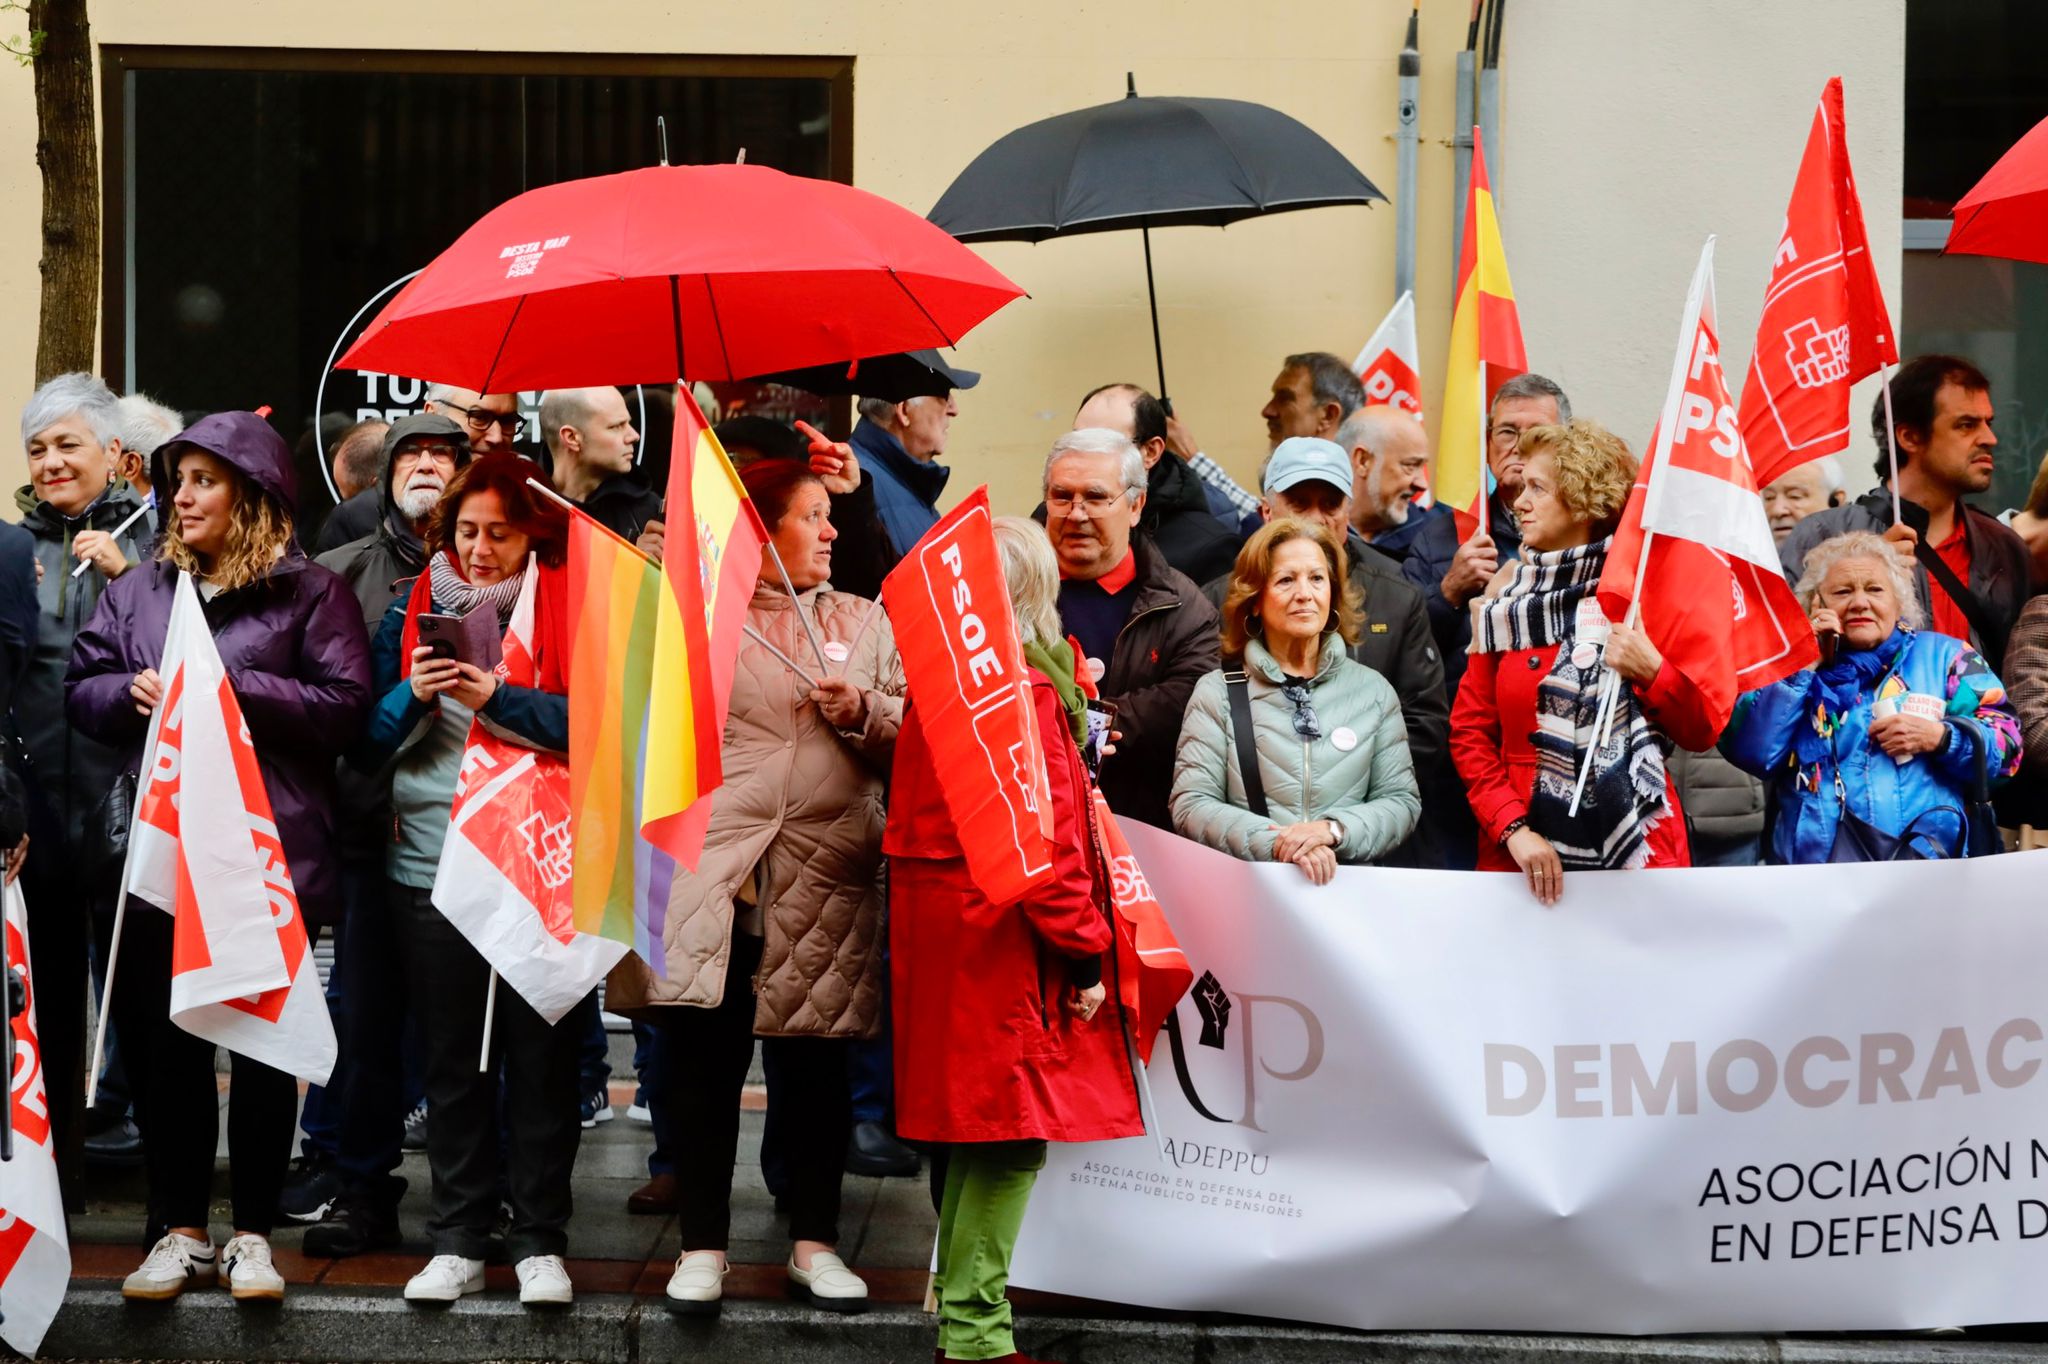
[
  {"x": 549, "y": 848},
  {"x": 1816, "y": 358}
]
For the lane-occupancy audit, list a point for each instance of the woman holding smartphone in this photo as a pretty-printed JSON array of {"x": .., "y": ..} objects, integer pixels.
[{"x": 491, "y": 542}]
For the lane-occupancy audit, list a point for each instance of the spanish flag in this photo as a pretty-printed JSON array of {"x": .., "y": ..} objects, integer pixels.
[
  {"x": 711, "y": 559},
  {"x": 1486, "y": 350}
]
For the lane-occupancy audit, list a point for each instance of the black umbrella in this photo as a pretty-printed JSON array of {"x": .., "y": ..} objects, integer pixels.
[
  {"x": 1144, "y": 163},
  {"x": 892, "y": 378}
]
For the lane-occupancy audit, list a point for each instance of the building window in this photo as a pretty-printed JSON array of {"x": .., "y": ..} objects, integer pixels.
[{"x": 257, "y": 199}]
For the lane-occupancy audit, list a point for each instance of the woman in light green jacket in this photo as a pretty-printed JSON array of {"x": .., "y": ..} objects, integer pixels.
[{"x": 1334, "y": 782}]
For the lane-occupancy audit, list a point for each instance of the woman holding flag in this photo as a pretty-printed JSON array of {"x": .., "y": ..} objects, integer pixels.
[
  {"x": 999, "y": 1044},
  {"x": 1527, "y": 709},
  {"x": 494, "y": 545},
  {"x": 778, "y": 933},
  {"x": 290, "y": 637}
]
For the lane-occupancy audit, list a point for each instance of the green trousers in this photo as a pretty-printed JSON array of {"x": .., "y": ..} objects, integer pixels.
[{"x": 987, "y": 1185}]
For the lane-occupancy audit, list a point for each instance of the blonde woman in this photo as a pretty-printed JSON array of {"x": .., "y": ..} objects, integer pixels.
[{"x": 291, "y": 637}]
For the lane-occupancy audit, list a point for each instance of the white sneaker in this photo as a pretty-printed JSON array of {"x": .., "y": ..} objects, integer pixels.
[
  {"x": 698, "y": 1284},
  {"x": 245, "y": 1264},
  {"x": 445, "y": 1278},
  {"x": 171, "y": 1265},
  {"x": 544, "y": 1281},
  {"x": 828, "y": 1283}
]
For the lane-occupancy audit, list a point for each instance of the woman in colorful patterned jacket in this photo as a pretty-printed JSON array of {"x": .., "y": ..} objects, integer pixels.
[{"x": 1883, "y": 744}]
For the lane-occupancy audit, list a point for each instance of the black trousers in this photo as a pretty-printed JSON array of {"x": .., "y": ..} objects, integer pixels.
[
  {"x": 63, "y": 901},
  {"x": 177, "y": 1104},
  {"x": 706, "y": 1058},
  {"x": 449, "y": 981}
]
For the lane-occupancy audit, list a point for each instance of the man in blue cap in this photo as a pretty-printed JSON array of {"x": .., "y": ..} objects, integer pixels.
[{"x": 1309, "y": 478}]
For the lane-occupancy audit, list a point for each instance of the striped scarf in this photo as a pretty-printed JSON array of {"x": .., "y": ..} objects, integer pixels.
[{"x": 1624, "y": 795}]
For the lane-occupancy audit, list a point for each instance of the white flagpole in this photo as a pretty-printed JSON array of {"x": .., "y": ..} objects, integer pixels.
[
  {"x": 796, "y": 604},
  {"x": 789, "y": 662},
  {"x": 149, "y": 743},
  {"x": 1485, "y": 448},
  {"x": 114, "y": 534},
  {"x": 853, "y": 644},
  {"x": 483, "y": 1060},
  {"x": 1891, "y": 437},
  {"x": 1698, "y": 298}
]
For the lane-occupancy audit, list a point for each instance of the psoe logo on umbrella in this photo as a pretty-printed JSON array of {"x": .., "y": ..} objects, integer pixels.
[{"x": 525, "y": 257}]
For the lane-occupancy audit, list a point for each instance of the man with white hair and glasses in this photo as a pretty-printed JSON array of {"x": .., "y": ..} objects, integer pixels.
[{"x": 1147, "y": 633}]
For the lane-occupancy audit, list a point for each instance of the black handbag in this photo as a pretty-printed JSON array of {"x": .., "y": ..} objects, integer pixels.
[
  {"x": 1858, "y": 840},
  {"x": 106, "y": 829}
]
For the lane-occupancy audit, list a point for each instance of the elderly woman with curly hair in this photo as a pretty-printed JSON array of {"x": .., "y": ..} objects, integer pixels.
[
  {"x": 1873, "y": 755},
  {"x": 1541, "y": 653},
  {"x": 1293, "y": 751}
]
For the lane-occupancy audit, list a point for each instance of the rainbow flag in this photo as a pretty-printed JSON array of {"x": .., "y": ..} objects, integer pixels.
[
  {"x": 619, "y": 882},
  {"x": 711, "y": 561},
  {"x": 1486, "y": 351}
]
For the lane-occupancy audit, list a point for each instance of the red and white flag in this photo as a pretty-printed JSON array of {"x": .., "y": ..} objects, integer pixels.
[
  {"x": 1152, "y": 970},
  {"x": 950, "y": 608},
  {"x": 35, "y": 1251},
  {"x": 1713, "y": 599},
  {"x": 205, "y": 848},
  {"x": 1389, "y": 366},
  {"x": 508, "y": 860},
  {"x": 1824, "y": 325}
]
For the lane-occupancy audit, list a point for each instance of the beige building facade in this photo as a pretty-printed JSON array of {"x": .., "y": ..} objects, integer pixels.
[{"x": 1629, "y": 131}]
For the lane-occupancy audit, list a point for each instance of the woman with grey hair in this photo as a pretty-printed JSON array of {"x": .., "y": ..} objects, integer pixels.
[
  {"x": 1874, "y": 755},
  {"x": 999, "y": 1047},
  {"x": 75, "y": 508}
]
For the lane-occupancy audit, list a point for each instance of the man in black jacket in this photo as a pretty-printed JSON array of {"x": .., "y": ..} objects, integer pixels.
[
  {"x": 1177, "y": 519},
  {"x": 1309, "y": 479},
  {"x": 1973, "y": 574},
  {"x": 591, "y": 437},
  {"x": 1147, "y": 633}
]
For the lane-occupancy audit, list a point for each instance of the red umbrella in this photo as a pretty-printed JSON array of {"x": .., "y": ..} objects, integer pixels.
[
  {"x": 696, "y": 272},
  {"x": 2006, "y": 213}
]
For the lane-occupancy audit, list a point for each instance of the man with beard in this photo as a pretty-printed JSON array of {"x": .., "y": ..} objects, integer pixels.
[
  {"x": 486, "y": 422},
  {"x": 352, "y": 1183}
]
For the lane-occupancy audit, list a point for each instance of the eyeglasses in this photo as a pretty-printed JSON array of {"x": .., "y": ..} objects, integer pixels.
[
  {"x": 1504, "y": 437},
  {"x": 479, "y": 418},
  {"x": 1095, "y": 504},
  {"x": 439, "y": 451}
]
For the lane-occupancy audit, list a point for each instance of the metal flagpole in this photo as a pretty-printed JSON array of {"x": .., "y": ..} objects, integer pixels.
[
  {"x": 1485, "y": 441},
  {"x": 1407, "y": 139},
  {"x": 796, "y": 605},
  {"x": 483, "y": 1060},
  {"x": 1891, "y": 438},
  {"x": 788, "y": 662}
]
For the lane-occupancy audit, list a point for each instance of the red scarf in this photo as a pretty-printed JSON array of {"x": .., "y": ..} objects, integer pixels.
[{"x": 550, "y": 627}]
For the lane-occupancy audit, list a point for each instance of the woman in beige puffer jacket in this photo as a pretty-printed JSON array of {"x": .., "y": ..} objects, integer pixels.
[{"x": 779, "y": 932}]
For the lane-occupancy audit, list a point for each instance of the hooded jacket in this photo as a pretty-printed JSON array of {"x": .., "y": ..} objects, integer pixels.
[
  {"x": 71, "y": 771},
  {"x": 292, "y": 643},
  {"x": 381, "y": 565}
]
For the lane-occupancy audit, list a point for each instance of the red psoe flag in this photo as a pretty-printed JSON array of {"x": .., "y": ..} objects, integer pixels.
[
  {"x": 1152, "y": 972},
  {"x": 1824, "y": 325},
  {"x": 205, "y": 849},
  {"x": 35, "y": 1248},
  {"x": 964, "y": 667},
  {"x": 1694, "y": 538}
]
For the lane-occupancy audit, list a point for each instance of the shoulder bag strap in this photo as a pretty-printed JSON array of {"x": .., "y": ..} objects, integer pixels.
[
  {"x": 1239, "y": 686},
  {"x": 1990, "y": 632}
]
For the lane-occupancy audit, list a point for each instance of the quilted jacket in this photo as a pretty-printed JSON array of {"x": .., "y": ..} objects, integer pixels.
[{"x": 800, "y": 818}]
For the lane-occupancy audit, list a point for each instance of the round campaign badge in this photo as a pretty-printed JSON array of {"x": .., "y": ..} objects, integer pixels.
[
  {"x": 1096, "y": 668},
  {"x": 1585, "y": 655},
  {"x": 1344, "y": 739},
  {"x": 836, "y": 651}
]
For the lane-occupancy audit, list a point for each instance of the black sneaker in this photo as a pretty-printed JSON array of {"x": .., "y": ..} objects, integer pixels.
[
  {"x": 309, "y": 1189},
  {"x": 415, "y": 1138},
  {"x": 356, "y": 1223}
]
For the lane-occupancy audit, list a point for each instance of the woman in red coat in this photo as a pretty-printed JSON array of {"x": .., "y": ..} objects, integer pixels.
[
  {"x": 1540, "y": 650},
  {"x": 1001, "y": 1045}
]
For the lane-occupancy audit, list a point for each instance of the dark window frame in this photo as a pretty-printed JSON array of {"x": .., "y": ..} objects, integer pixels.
[{"x": 117, "y": 60}]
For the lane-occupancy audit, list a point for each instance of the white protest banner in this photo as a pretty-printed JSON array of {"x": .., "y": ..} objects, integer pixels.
[
  {"x": 1721, "y": 1099},
  {"x": 35, "y": 1246}
]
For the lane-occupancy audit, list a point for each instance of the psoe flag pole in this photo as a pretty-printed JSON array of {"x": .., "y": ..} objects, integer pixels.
[
  {"x": 1485, "y": 449},
  {"x": 1891, "y": 438},
  {"x": 483, "y": 1060}
]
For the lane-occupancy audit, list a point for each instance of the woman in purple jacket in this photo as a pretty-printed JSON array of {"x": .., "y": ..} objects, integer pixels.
[{"x": 291, "y": 637}]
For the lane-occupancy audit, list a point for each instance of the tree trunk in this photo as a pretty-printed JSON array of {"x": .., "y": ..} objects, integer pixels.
[{"x": 67, "y": 150}]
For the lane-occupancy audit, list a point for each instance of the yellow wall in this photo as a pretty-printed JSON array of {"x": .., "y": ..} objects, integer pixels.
[{"x": 935, "y": 84}]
